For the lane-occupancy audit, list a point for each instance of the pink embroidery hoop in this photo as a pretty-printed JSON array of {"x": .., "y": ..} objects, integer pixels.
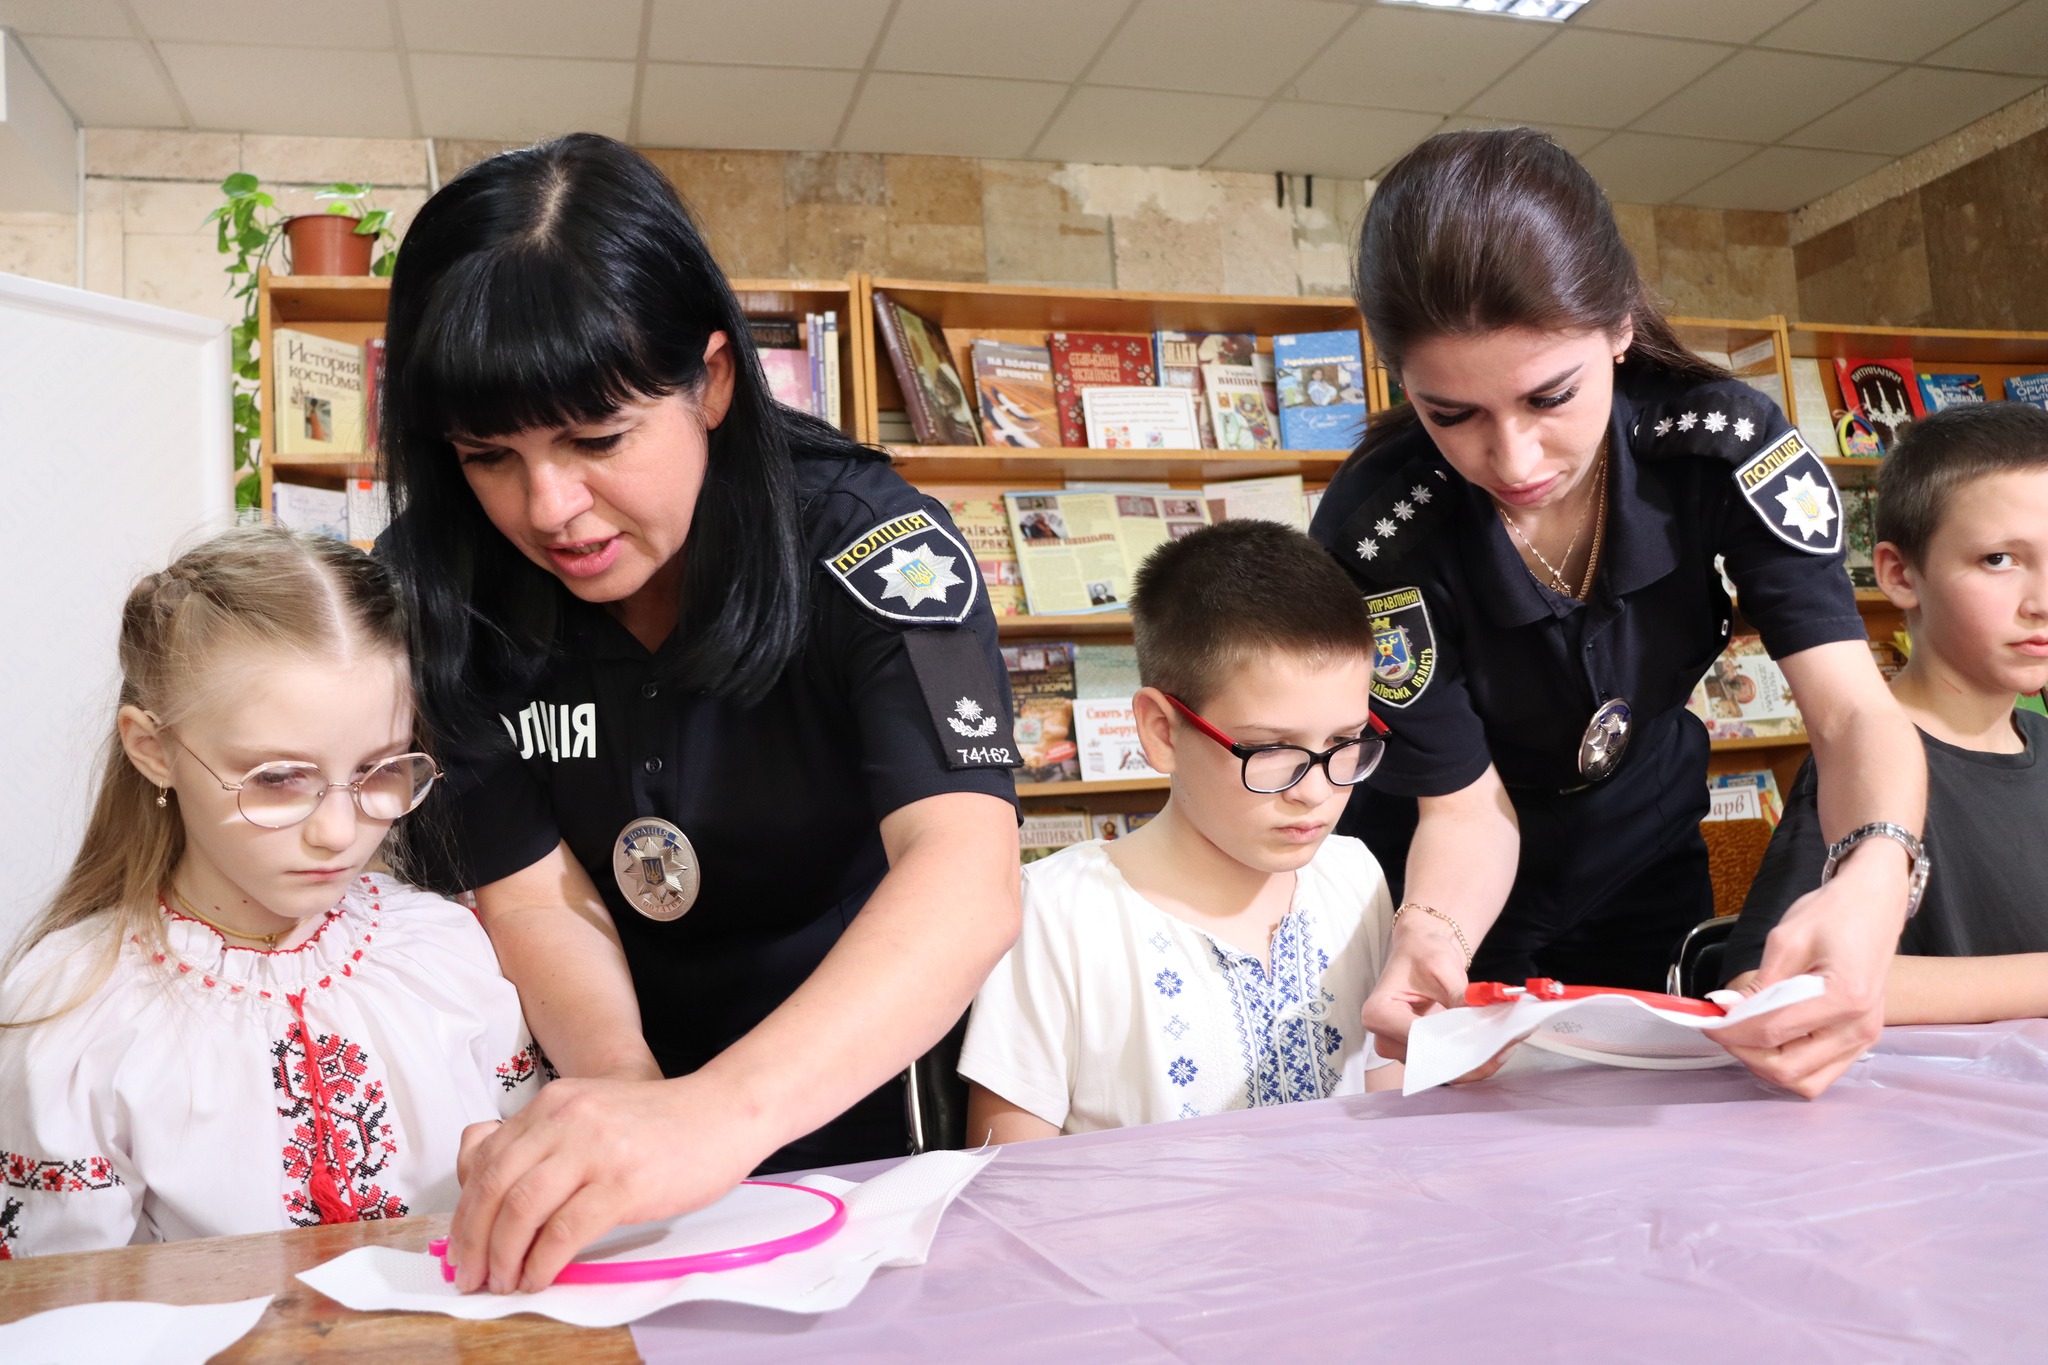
[{"x": 704, "y": 1262}]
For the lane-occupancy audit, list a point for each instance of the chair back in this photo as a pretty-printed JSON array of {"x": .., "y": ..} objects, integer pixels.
[
  {"x": 1696, "y": 966},
  {"x": 935, "y": 1098}
]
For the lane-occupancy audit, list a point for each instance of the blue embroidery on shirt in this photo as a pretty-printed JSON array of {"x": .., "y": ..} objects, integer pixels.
[
  {"x": 1160, "y": 941},
  {"x": 1182, "y": 1071},
  {"x": 1169, "y": 984},
  {"x": 1176, "y": 1026},
  {"x": 1281, "y": 1015}
]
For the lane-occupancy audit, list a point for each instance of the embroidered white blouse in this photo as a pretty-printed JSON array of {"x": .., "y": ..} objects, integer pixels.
[
  {"x": 216, "y": 1089},
  {"x": 1110, "y": 1012}
]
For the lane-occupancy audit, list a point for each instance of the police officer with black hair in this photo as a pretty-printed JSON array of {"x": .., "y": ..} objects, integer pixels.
[
  {"x": 727, "y": 731},
  {"x": 1539, "y": 533}
]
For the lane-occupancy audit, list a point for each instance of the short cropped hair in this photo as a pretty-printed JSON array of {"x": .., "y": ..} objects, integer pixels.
[
  {"x": 1203, "y": 605},
  {"x": 1945, "y": 450}
]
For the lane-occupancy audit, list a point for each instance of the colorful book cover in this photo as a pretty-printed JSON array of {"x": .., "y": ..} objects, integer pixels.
[
  {"x": 2028, "y": 388},
  {"x": 1014, "y": 384},
  {"x": 373, "y": 390},
  {"x": 301, "y": 507},
  {"x": 1238, "y": 409},
  {"x": 775, "y": 333},
  {"x": 319, "y": 387},
  {"x": 983, "y": 521},
  {"x": 1938, "y": 391},
  {"x": 1042, "y": 691},
  {"x": 932, "y": 391},
  {"x": 1089, "y": 360},
  {"x": 1745, "y": 695},
  {"x": 1120, "y": 417},
  {"x": 1044, "y": 833},
  {"x": 1859, "y": 533},
  {"x": 1321, "y": 382},
  {"x": 1884, "y": 393},
  {"x": 1182, "y": 355},
  {"x": 789, "y": 376}
]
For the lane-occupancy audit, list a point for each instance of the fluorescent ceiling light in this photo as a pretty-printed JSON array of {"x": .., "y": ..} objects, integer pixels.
[{"x": 1551, "y": 11}]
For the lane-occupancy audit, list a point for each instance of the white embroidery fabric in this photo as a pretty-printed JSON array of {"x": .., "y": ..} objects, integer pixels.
[{"x": 1110, "y": 1012}]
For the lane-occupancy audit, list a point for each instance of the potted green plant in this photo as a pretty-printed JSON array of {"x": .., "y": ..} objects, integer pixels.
[{"x": 249, "y": 228}]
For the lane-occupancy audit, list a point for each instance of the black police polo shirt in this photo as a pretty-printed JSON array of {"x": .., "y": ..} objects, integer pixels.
[
  {"x": 1478, "y": 663},
  {"x": 898, "y": 694}
]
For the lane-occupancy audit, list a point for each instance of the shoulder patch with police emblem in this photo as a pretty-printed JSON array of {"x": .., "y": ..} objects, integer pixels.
[
  {"x": 1403, "y": 646},
  {"x": 970, "y": 711},
  {"x": 911, "y": 568},
  {"x": 1790, "y": 488}
]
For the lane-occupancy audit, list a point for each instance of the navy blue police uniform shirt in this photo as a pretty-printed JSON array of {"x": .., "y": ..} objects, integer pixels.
[
  {"x": 1478, "y": 663},
  {"x": 898, "y": 694}
]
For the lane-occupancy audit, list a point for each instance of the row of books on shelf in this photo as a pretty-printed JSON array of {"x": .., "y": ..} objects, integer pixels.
[
  {"x": 801, "y": 358},
  {"x": 1745, "y": 695},
  {"x": 1074, "y": 721},
  {"x": 1044, "y": 833},
  {"x": 1125, "y": 390},
  {"x": 1074, "y": 550},
  {"x": 326, "y": 394},
  {"x": 1881, "y": 396},
  {"x": 357, "y": 512}
]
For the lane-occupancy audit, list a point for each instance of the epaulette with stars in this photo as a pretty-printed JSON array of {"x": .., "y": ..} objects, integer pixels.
[
  {"x": 1397, "y": 517},
  {"x": 1784, "y": 482}
]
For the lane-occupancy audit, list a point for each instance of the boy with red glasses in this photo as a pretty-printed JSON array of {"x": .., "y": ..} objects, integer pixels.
[{"x": 1218, "y": 957}]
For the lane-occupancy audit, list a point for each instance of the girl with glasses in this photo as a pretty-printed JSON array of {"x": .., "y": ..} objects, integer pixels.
[{"x": 224, "y": 1023}]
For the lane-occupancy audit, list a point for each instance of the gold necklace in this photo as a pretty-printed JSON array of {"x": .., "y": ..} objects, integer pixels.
[
  {"x": 187, "y": 907},
  {"x": 1557, "y": 580},
  {"x": 1599, "y": 537}
]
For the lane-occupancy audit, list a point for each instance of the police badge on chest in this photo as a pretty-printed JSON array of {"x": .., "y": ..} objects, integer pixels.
[{"x": 656, "y": 869}]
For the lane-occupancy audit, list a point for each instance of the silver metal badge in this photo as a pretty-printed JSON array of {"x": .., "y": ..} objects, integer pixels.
[
  {"x": 1606, "y": 740},
  {"x": 656, "y": 868}
]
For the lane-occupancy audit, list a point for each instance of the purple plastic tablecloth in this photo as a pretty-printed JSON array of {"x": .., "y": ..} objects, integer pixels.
[{"x": 1582, "y": 1215}]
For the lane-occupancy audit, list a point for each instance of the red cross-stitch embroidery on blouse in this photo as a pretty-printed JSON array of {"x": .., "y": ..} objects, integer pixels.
[
  {"x": 72, "y": 1176},
  {"x": 9, "y": 1228},
  {"x": 524, "y": 1065},
  {"x": 338, "y": 1114}
]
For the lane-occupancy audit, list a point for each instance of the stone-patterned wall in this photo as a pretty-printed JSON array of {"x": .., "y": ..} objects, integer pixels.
[
  {"x": 777, "y": 214},
  {"x": 1968, "y": 249}
]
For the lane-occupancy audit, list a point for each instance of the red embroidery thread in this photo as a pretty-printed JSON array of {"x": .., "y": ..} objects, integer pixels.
[
  {"x": 59, "y": 1176},
  {"x": 340, "y": 1139}
]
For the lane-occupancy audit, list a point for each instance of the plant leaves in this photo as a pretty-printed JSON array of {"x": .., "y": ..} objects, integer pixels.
[{"x": 240, "y": 183}]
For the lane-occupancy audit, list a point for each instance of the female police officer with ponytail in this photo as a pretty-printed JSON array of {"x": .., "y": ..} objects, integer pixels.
[
  {"x": 1537, "y": 536},
  {"x": 719, "y": 696}
]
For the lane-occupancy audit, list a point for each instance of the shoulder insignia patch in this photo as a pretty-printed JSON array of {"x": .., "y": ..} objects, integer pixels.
[
  {"x": 1403, "y": 646},
  {"x": 910, "y": 568},
  {"x": 1790, "y": 488},
  {"x": 1397, "y": 517},
  {"x": 1727, "y": 420}
]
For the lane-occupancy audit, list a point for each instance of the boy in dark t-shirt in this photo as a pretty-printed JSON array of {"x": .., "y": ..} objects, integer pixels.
[{"x": 1962, "y": 521}]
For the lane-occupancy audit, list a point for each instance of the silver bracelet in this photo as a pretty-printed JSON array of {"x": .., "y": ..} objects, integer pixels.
[{"x": 1916, "y": 852}]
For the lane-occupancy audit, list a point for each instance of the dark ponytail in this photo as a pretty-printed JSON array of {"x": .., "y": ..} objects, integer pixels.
[{"x": 1473, "y": 232}]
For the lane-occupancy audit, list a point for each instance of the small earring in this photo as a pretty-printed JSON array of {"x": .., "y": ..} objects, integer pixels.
[
  {"x": 1623, "y": 356},
  {"x": 162, "y": 799}
]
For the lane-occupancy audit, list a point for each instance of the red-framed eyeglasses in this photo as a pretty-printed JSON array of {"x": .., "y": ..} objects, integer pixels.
[{"x": 1270, "y": 768}]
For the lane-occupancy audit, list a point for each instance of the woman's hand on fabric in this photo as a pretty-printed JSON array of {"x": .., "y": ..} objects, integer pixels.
[
  {"x": 583, "y": 1157},
  {"x": 1425, "y": 972},
  {"x": 1844, "y": 932}
]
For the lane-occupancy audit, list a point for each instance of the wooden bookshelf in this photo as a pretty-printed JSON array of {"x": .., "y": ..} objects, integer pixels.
[
  {"x": 1069, "y": 791},
  {"x": 1994, "y": 356},
  {"x": 352, "y": 308}
]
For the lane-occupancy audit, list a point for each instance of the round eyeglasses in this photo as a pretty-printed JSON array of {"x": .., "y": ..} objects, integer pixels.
[
  {"x": 1271, "y": 768},
  {"x": 282, "y": 793}
]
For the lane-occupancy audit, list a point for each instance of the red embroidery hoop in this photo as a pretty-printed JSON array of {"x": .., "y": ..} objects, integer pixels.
[{"x": 698, "y": 1263}]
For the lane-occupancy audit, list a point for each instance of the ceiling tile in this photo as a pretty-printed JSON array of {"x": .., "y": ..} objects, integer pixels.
[
  {"x": 949, "y": 115},
  {"x": 1596, "y": 80},
  {"x": 1890, "y": 30},
  {"x": 520, "y": 98},
  {"x": 284, "y": 23},
  {"x": 743, "y": 107},
  {"x": 1723, "y": 21},
  {"x": 108, "y": 82},
  {"x": 70, "y": 18},
  {"x": 1647, "y": 168},
  {"x": 523, "y": 28},
  {"x": 2015, "y": 41},
  {"x": 1218, "y": 46},
  {"x": 335, "y": 93},
  {"x": 1762, "y": 95},
  {"x": 1395, "y": 58},
  {"x": 1046, "y": 40},
  {"x": 836, "y": 33},
  {"x": 1324, "y": 139},
  {"x": 1577, "y": 141},
  {"x": 1143, "y": 127},
  {"x": 1781, "y": 179},
  {"x": 1911, "y": 110}
]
